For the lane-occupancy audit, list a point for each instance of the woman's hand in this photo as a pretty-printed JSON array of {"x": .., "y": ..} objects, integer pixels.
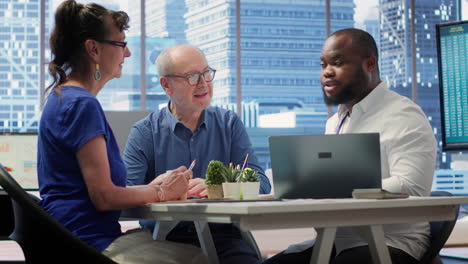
[{"x": 173, "y": 184}]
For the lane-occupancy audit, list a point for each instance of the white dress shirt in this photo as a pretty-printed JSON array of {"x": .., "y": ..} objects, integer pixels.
[{"x": 408, "y": 156}]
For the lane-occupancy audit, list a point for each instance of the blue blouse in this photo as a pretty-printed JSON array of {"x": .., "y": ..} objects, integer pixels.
[{"x": 67, "y": 123}]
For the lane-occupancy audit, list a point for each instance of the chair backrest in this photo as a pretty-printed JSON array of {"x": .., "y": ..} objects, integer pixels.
[
  {"x": 121, "y": 123},
  {"x": 41, "y": 237},
  {"x": 440, "y": 232}
]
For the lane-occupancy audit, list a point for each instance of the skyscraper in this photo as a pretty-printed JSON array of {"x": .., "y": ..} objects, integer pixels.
[
  {"x": 395, "y": 49},
  {"x": 19, "y": 64},
  {"x": 281, "y": 43},
  {"x": 165, "y": 19}
]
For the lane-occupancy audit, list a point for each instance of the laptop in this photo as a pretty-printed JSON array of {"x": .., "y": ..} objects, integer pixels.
[{"x": 324, "y": 166}]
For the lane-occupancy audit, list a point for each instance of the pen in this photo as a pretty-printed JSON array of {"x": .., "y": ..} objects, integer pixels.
[
  {"x": 184, "y": 196},
  {"x": 245, "y": 161},
  {"x": 192, "y": 164}
]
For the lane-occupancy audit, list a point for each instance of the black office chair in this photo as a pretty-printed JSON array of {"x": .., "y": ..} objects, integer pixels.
[
  {"x": 440, "y": 232},
  {"x": 7, "y": 219},
  {"x": 7, "y": 222},
  {"x": 41, "y": 237}
]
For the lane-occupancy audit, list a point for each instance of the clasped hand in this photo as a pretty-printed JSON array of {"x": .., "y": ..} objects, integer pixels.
[{"x": 173, "y": 184}]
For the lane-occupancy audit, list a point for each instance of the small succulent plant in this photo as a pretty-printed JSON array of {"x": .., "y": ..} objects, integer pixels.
[
  {"x": 249, "y": 175},
  {"x": 232, "y": 173},
  {"x": 214, "y": 173}
]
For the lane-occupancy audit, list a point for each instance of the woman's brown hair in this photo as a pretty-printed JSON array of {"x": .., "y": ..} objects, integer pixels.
[{"x": 74, "y": 24}]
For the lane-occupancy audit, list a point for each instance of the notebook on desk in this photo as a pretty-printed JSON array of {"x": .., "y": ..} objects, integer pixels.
[{"x": 324, "y": 166}]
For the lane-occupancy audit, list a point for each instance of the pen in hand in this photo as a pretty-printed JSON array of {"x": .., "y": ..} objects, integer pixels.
[
  {"x": 192, "y": 164},
  {"x": 184, "y": 196}
]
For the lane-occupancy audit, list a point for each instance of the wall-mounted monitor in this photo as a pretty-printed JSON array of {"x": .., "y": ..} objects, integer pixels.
[{"x": 452, "y": 55}]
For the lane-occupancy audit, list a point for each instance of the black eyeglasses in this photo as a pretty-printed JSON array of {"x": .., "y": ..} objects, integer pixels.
[
  {"x": 194, "y": 79},
  {"x": 122, "y": 44}
]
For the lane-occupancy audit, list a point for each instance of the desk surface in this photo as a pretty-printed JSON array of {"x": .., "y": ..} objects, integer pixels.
[
  {"x": 316, "y": 211},
  {"x": 299, "y": 205},
  {"x": 325, "y": 214}
]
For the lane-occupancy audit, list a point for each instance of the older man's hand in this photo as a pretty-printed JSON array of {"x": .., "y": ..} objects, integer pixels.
[{"x": 197, "y": 188}]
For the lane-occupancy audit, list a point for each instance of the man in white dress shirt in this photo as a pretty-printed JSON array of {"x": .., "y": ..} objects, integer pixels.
[{"x": 350, "y": 78}]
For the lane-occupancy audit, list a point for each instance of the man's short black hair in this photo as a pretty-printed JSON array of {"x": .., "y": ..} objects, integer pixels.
[{"x": 361, "y": 39}]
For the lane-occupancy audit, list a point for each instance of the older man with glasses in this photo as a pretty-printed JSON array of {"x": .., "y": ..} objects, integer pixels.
[{"x": 190, "y": 129}]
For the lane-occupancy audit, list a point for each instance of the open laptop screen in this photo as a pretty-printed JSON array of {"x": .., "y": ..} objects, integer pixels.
[
  {"x": 18, "y": 153},
  {"x": 324, "y": 166}
]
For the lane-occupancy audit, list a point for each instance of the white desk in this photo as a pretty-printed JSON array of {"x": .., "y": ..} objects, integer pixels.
[{"x": 324, "y": 215}]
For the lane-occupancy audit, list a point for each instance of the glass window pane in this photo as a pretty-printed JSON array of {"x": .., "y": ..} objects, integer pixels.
[
  {"x": 165, "y": 27},
  {"x": 396, "y": 57},
  {"x": 465, "y": 10},
  {"x": 19, "y": 65},
  {"x": 280, "y": 49},
  {"x": 120, "y": 94}
]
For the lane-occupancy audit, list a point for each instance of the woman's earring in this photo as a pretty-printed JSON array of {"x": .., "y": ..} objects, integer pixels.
[{"x": 97, "y": 73}]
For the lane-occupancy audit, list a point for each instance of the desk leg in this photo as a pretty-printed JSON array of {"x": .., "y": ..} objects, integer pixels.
[
  {"x": 323, "y": 245},
  {"x": 206, "y": 241},
  {"x": 162, "y": 228},
  {"x": 374, "y": 235}
]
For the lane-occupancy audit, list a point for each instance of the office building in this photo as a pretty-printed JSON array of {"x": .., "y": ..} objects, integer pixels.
[
  {"x": 453, "y": 181},
  {"x": 280, "y": 41},
  {"x": 299, "y": 117},
  {"x": 395, "y": 50},
  {"x": 165, "y": 19},
  {"x": 19, "y": 64},
  {"x": 250, "y": 112},
  {"x": 124, "y": 94},
  {"x": 373, "y": 27}
]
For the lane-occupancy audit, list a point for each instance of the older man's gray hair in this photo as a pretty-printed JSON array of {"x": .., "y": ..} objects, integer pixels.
[{"x": 164, "y": 61}]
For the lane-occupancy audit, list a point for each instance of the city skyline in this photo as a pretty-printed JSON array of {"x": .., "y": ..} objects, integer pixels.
[
  {"x": 280, "y": 48},
  {"x": 281, "y": 55},
  {"x": 363, "y": 7}
]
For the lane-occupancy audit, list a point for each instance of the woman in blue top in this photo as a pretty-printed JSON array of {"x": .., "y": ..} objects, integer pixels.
[{"x": 81, "y": 175}]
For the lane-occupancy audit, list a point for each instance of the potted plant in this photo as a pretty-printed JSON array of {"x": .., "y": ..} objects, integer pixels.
[
  {"x": 250, "y": 184},
  {"x": 214, "y": 179},
  {"x": 231, "y": 186}
]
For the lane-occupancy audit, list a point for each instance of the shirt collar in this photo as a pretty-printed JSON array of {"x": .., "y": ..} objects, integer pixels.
[
  {"x": 367, "y": 102},
  {"x": 173, "y": 122}
]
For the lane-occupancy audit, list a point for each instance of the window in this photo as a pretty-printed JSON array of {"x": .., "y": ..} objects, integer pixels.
[{"x": 280, "y": 49}]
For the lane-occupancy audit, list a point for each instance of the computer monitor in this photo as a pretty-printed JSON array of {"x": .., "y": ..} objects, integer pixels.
[
  {"x": 18, "y": 153},
  {"x": 452, "y": 56}
]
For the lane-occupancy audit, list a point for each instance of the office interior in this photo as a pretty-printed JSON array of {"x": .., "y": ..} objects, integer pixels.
[{"x": 274, "y": 86}]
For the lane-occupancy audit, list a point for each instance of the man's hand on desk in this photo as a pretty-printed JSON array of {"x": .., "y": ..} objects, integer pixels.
[{"x": 197, "y": 188}]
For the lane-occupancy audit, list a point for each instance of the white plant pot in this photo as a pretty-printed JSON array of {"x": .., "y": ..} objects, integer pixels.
[
  {"x": 231, "y": 190},
  {"x": 250, "y": 190}
]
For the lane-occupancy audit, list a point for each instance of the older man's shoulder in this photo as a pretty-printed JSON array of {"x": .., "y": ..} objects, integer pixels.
[{"x": 220, "y": 112}]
